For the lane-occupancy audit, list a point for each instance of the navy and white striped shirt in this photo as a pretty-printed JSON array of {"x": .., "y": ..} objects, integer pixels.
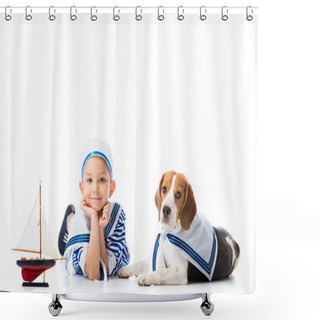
[{"x": 115, "y": 239}]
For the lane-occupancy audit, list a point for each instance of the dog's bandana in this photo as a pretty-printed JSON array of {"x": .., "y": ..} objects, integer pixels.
[{"x": 198, "y": 245}]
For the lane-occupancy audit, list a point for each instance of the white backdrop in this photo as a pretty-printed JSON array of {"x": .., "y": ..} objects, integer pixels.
[
  {"x": 287, "y": 42},
  {"x": 164, "y": 94}
]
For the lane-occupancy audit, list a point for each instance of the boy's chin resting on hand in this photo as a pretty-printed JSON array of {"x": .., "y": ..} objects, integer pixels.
[{"x": 90, "y": 212}]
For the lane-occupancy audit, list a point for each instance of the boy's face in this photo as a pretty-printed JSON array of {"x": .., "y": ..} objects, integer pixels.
[{"x": 96, "y": 186}]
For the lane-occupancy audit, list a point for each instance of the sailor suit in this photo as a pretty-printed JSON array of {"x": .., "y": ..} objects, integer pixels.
[{"x": 79, "y": 236}]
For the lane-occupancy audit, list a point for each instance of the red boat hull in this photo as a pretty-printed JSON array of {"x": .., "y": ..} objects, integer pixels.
[{"x": 31, "y": 269}]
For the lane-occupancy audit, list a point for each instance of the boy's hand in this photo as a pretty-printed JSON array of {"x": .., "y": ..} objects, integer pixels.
[
  {"x": 90, "y": 212},
  {"x": 105, "y": 216}
]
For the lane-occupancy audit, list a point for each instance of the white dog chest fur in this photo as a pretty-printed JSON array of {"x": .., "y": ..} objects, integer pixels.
[{"x": 169, "y": 257}]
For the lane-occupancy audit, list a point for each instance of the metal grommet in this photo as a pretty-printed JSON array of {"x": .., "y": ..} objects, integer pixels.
[
  {"x": 116, "y": 17},
  {"x": 28, "y": 16},
  {"x": 224, "y": 13},
  {"x": 203, "y": 13},
  {"x": 73, "y": 15},
  {"x": 93, "y": 17},
  {"x": 52, "y": 10},
  {"x": 180, "y": 13},
  {"x": 7, "y": 16},
  {"x": 138, "y": 16},
  {"x": 249, "y": 16},
  {"x": 160, "y": 16}
]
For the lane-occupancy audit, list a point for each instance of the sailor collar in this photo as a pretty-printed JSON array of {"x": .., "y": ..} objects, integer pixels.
[{"x": 198, "y": 245}]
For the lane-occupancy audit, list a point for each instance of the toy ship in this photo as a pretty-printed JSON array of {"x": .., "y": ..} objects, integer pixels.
[{"x": 36, "y": 228}]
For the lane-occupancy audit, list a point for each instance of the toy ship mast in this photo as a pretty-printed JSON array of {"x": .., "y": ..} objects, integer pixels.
[
  {"x": 43, "y": 242},
  {"x": 40, "y": 229},
  {"x": 40, "y": 220}
]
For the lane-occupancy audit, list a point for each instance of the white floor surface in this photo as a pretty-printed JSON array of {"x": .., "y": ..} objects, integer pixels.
[{"x": 283, "y": 292}]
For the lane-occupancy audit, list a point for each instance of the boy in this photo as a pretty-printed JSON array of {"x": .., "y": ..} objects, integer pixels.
[{"x": 96, "y": 245}]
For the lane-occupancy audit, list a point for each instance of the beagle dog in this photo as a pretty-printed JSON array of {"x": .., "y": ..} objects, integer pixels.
[{"x": 188, "y": 249}]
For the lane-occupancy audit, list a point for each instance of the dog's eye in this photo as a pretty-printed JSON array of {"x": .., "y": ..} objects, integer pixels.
[
  {"x": 164, "y": 189},
  {"x": 178, "y": 195}
]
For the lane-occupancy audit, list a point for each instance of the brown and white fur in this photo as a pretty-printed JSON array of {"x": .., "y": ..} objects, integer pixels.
[{"x": 177, "y": 209}]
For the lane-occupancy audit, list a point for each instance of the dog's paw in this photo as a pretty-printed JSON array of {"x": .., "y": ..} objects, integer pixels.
[
  {"x": 145, "y": 279},
  {"x": 125, "y": 272}
]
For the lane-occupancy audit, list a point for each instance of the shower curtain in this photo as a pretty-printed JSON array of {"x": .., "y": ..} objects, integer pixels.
[{"x": 165, "y": 88}]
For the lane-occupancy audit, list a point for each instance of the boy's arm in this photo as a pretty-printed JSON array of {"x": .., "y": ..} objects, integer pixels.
[
  {"x": 92, "y": 267},
  {"x": 103, "y": 221},
  {"x": 103, "y": 248}
]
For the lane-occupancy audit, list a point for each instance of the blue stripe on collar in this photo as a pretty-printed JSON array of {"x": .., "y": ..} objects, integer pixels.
[
  {"x": 155, "y": 251},
  {"x": 112, "y": 219},
  {"x": 207, "y": 266},
  {"x": 78, "y": 239}
]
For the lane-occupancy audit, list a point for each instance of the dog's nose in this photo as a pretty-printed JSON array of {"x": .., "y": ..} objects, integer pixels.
[{"x": 166, "y": 211}]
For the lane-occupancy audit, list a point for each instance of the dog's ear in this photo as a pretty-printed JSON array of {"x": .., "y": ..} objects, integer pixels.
[
  {"x": 157, "y": 197},
  {"x": 189, "y": 208}
]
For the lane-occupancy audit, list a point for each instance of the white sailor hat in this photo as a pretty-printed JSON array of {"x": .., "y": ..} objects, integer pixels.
[{"x": 97, "y": 147}]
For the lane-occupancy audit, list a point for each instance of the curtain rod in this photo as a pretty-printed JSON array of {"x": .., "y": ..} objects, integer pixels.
[
  {"x": 125, "y": 7},
  {"x": 118, "y": 10}
]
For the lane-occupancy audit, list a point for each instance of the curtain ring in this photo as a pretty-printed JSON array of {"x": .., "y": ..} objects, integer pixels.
[
  {"x": 138, "y": 16},
  {"x": 93, "y": 17},
  {"x": 7, "y": 16},
  {"x": 116, "y": 17},
  {"x": 203, "y": 13},
  {"x": 180, "y": 13},
  {"x": 52, "y": 10},
  {"x": 160, "y": 16},
  {"x": 249, "y": 16},
  {"x": 224, "y": 13},
  {"x": 28, "y": 16},
  {"x": 73, "y": 15}
]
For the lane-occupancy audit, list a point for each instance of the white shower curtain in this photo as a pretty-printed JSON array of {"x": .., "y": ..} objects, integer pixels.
[{"x": 165, "y": 95}]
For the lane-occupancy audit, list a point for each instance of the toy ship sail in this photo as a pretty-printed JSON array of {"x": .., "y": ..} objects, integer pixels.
[{"x": 36, "y": 240}]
